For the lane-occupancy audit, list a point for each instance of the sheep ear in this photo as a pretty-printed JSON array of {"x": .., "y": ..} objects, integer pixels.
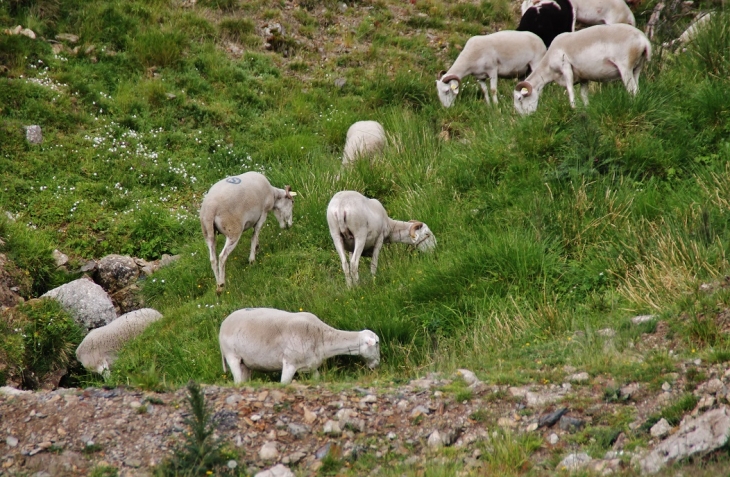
[
  {"x": 370, "y": 341},
  {"x": 415, "y": 226}
]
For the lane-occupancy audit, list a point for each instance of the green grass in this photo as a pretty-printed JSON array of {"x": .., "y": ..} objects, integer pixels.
[{"x": 561, "y": 222}]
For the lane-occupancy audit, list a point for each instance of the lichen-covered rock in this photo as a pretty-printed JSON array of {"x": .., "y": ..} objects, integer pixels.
[
  {"x": 86, "y": 302},
  {"x": 115, "y": 272}
]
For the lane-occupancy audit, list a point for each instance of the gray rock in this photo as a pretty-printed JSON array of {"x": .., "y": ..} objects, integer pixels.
[
  {"x": 33, "y": 134},
  {"x": 553, "y": 439},
  {"x": 166, "y": 259},
  {"x": 89, "y": 266},
  {"x": 86, "y": 302},
  {"x": 637, "y": 320},
  {"x": 575, "y": 461},
  {"x": 332, "y": 428},
  {"x": 340, "y": 82},
  {"x": 629, "y": 390},
  {"x": 115, "y": 272},
  {"x": 278, "y": 470},
  {"x": 571, "y": 423},
  {"x": 661, "y": 428},
  {"x": 67, "y": 37},
  {"x": 579, "y": 377},
  {"x": 434, "y": 440},
  {"x": 269, "y": 451},
  {"x": 298, "y": 430},
  {"x": 11, "y": 441},
  {"x": 549, "y": 420},
  {"x": 468, "y": 376},
  {"x": 666, "y": 387},
  {"x": 28, "y": 32},
  {"x": 696, "y": 436},
  {"x": 606, "y": 332},
  {"x": 542, "y": 399},
  {"x": 419, "y": 411},
  {"x": 60, "y": 258}
]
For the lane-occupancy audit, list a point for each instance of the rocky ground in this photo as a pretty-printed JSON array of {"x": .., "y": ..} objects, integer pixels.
[{"x": 72, "y": 431}]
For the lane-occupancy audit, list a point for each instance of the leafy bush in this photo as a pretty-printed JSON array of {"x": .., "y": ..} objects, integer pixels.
[
  {"x": 37, "y": 338},
  {"x": 160, "y": 49}
]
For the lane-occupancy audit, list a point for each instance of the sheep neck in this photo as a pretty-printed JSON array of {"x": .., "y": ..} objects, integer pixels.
[
  {"x": 400, "y": 232},
  {"x": 337, "y": 342}
]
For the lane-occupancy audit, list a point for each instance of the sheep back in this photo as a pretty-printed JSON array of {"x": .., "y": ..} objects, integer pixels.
[
  {"x": 99, "y": 348},
  {"x": 364, "y": 138},
  {"x": 236, "y": 203},
  {"x": 263, "y": 337},
  {"x": 349, "y": 212}
]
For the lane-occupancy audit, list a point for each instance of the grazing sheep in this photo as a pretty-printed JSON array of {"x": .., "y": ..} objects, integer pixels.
[
  {"x": 266, "y": 339},
  {"x": 597, "y": 53},
  {"x": 359, "y": 224},
  {"x": 505, "y": 54},
  {"x": 99, "y": 348},
  {"x": 593, "y": 12},
  {"x": 699, "y": 22},
  {"x": 234, "y": 205},
  {"x": 364, "y": 138},
  {"x": 548, "y": 19}
]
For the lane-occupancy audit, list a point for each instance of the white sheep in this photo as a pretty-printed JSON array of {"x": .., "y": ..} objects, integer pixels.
[
  {"x": 364, "y": 138},
  {"x": 505, "y": 54},
  {"x": 700, "y": 22},
  {"x": 234, "y": 205},
  {"x": 597, "y": 53},
  {"x": 359, "y": 224},
  {"x": 266, "y": 339},
  {"x": 592, "y": 12},
  {"x": 99, "y": 348}
]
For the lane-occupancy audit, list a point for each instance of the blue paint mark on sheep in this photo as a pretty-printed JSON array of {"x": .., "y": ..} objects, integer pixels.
[{"x": 233, "y": 180}]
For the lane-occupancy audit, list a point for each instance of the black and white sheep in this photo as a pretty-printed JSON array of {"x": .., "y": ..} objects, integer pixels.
[
  {"x": 505, "y": 54},
  {"x": 597, "y": 53},
  {"x": 267, "y": 339},
  {"x": 358, "y": 224},
  {"x": 99, "y": 348},
  {"x": 364, "y": 138},
  {"x": 593, "y": 12},
  {"x": 548, "y": 19},
  {"x": 236, "y": 204}
]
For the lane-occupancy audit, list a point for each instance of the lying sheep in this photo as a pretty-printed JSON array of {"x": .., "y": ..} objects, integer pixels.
[
  {"x": 359, "y": 224},
  {"x": 505, "y": 54},
  {"x": 234, "y": 205},
  {"x": 99, "y": 348},
  {"x": 548, "y": 19},
  {"x": 364, "y": 138},
  {"x": 266, "y": 339},
  {"x": 700, "y": 22},
  {"x": 597, "y": 53}
]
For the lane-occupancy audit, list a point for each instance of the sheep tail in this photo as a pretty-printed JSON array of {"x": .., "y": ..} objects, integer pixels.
[{"x": 223, "y": 361}]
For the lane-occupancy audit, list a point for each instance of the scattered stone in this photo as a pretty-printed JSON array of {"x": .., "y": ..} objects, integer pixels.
[
  {"x": 661, "y": 428},
  {"x": 134, "y": 463},
  {"x": 298, "y": 430},
  {"x": 695, "y": 436},
  {"x": 67, "y": 37},
  {"x": 340, "y": 82},
  {"x": 309, "y": 416},
  {"x": 637, "y": 320},
  {"x": 28, "y": 32},
  {"x": 606, "y": 332},
  {"x": 11, "y": 441},
  {"x": 714, "y": 386},
  {"x": 506, "y": 422},
  {"x": 329, "y": 449},
  {"x": 571, "y": 424},
  {"x": 332, "y": 428},
  {"x": 468, "y": 376},
  {"x": 575, "y": 461},
  {"x": 434, "y": 440},
  {"x": 543, "y": 399},
  {"x": 166, "y": 259},
  {"x": 369, "y": 399},
  {"x": 391, "y": 436},
  {"x": 269, "y": 451},
  {"x": 629, "y": 390},
  {"x": 279, "y": 470},
  {"x": 115, "y": 272},
  {"x": 89, "y": 266},
  {"x": 60, "y": 258},
  {"x": 705, "y": 403},
  {"x": 33, "y": 134},
  {"x": 666, "y": 387},
  {"x": 294, "y": 457},
  {"x": 553, "y": 439},
  {"x": 579, "y": 377},
  {"x": 532, "y": 427},
  {"x": 548, "y": 420},
  {"x": 620, "y": 443},
  {"x": 419, "y": 411}
]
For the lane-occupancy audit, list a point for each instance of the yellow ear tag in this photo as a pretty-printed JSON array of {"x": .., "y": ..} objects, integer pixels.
[
  {"x": 454, "y": 86},
  {"x": 524, "y": 91}
]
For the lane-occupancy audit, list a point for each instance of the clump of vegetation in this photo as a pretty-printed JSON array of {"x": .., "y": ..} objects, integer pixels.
[
  {"x": 200, "y": 453},
  {"x": 39, "y": 340}
]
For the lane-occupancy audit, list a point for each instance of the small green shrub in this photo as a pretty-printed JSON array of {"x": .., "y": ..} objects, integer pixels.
[
  {"x": 236, "y": 28},
  {"x": 37, "y": 338},
  {"x": 199, "y": 453},
  {"x": 160, "y": 49}
]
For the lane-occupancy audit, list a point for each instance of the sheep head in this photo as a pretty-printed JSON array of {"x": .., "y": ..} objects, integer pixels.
[
  {"x": 423, "y": 239},
  {"x": 447, "y": 88},
  {"x": 370, "y": 348},
  {"x": 284, "y": 208},
  {"x": 525, "y": 98}
]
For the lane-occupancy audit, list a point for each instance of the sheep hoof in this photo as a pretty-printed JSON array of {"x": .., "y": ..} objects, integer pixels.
[{"x": 219, "y": 289}]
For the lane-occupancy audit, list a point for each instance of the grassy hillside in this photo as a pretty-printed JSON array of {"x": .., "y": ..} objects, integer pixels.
[{"x": 549, "y": 227}]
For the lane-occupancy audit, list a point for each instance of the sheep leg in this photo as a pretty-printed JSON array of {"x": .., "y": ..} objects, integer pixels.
[
  {"x": 210, "y": 241},
  {"x": 340, "y": 247},
  {"x": 637, "y": 72},
  {"x": 567, "y": 71},
  {"x": 376, "y": 254},
  {"x": 483, "y": 85},
  {"x": 227, "y": 249},
  {"x": 255, "y": 238},
  {"x": 493, "y": 77},
  {"x": 355, "y": 259},
  {"x": 241, "y": 373},
  {"x": 287, "y": 372},
  {"x": 584, "y": 93}
]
